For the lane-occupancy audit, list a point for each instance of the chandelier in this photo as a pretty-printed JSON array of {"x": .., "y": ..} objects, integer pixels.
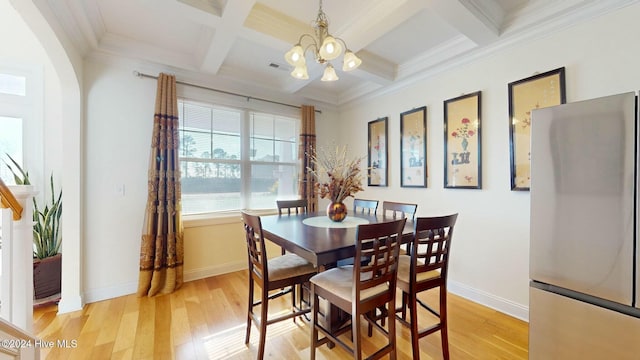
[{"x": 325, "y": 48}]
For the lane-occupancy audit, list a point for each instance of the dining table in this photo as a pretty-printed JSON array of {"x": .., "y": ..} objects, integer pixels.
[
  {"x": 323, "y": 242},
  {"x": 319, "y": 240}
]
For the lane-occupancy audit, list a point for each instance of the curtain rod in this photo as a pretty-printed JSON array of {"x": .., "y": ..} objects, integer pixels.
[{"x": 141, "y": 75}]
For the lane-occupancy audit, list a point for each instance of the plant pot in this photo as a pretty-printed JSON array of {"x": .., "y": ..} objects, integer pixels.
[{"x": 47, "y": 276}]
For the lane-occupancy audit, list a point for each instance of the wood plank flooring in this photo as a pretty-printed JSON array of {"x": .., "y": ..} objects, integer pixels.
[{"x": 206, "y": 319}]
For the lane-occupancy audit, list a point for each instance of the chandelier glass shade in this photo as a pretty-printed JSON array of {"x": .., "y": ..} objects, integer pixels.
[{"x": 325, "y": 48}]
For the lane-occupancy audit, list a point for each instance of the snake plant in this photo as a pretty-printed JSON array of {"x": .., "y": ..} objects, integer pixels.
[{"x": 47, "y": 237}]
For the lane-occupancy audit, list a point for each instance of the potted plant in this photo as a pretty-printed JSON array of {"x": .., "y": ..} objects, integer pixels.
[{"x": 47, "y": 238}]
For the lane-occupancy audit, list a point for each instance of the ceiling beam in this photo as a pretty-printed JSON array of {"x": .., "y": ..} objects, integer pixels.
[
  {"x": 480, "y": 21},
  {"x": 368, "y": 26},
  {"x": 233, "y": 18}
]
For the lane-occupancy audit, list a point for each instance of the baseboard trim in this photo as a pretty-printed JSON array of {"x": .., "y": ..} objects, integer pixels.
[
  {"x": 205, "y": 272},
  {"x": 110, "y": 292},
  {"x": 497, "y": 303},
  {"x": 69, "y": 304}
]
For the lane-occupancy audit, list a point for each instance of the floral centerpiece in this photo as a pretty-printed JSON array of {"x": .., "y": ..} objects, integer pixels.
[{"x": 338, "y": 177}]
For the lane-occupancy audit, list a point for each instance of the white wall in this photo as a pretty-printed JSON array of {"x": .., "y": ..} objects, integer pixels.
[
  {"x": 120, "y": 110},
  {"x": 490, "y": 251},
  {"x": 119, "y": 117}
]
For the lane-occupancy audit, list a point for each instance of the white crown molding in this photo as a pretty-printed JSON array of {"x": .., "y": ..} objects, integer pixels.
[
  {"x": 212, "y": 7},
  {"x": 80, "y": 21},
  {"x": 85, "y": 30},
  {"x": 116, "y": 44},
  {"x": 553, "y": 13},
  {"x": 375, "y": 68},
  {"x": 510, "y": 37},
  {"x": 487, "y": 11},
  {"x": 356, "y": 92},
  {"x": 437, "y": 55}
]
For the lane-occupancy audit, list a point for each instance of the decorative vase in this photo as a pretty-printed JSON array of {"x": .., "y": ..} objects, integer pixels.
[
  {"x": 465, "y": 143},
  {"x": 337, "y": 211}
]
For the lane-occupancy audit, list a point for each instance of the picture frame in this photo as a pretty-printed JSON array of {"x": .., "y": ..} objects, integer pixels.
[
  {"x": 377, "y": 153},
  {"x": 538, "y": 91},
  {"x": 413, "y": 148},
  {"x": 463, "y": 142}
]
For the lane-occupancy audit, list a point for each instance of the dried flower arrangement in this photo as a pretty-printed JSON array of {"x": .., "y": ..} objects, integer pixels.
[{"x": 338, "y": 175}]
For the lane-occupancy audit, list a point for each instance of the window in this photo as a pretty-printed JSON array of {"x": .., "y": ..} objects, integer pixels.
[
  {"x": 13, "y": 90},
  {"x": 235, "y": 159},
  {"x": 13, "y": 85},
  {"x": 11, "y": 144}
]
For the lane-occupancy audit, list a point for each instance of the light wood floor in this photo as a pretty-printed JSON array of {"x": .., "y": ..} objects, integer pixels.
[{"x": 206, "y": 319}]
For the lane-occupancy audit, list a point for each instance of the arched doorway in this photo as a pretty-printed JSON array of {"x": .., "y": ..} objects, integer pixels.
[{"x": 67, "y": 65}]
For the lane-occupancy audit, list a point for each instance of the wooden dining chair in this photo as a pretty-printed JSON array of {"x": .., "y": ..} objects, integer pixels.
[
  {"x": 364, "y": 206},
  {"x": 361, "y": 206},
  {"x": 277, "y": 273},
  {"x": 424, "y": 269},
  {"x": 360, "y": 289},
  {"x": 399, "y": 209},
  {"x": 292, "y": 207}
]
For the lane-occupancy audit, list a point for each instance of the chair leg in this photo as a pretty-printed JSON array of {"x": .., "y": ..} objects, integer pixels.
[
  {"x": 405, "y": 296},
  {"x": 392, "y": 329},
  {"x": 355, "y": 334},
  {"x": 415, "y": 335},
  {"x": 249, "y": 311},
  {"x": 444, "y": 333},
  {"x": 293, "y": 300},
  {"x": 264, "y": 310},
  {"x": 314, "y": 320}
]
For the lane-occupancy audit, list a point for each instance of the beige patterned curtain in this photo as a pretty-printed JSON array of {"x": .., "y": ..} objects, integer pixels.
[
  {"x": 162, "y": 247},
  {"x": 307, "y": 144}
]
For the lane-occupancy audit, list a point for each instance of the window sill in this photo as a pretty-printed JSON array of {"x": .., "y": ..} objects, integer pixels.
[{"x": 220, "y": 218}]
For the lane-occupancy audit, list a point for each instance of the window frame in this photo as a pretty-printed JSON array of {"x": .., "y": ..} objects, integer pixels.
[
  {"x": 30, "y": 109},
  {"x": 245, "y": 161}
]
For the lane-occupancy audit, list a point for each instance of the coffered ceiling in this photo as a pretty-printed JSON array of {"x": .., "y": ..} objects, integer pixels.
[{"x": 240, "y": 43}]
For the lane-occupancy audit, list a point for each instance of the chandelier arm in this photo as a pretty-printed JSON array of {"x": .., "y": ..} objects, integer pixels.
[
  {"x": 323, "y": 54},
  {"x": 312, "y": 45},
  {"x": 306, "y": 35},
  {"x": 343, "y": 43}
]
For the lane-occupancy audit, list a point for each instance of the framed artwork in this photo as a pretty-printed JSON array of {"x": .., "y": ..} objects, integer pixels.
[
  {"x": 378, "y": 153},
  {"x": 538, "y": 91},
  {"x": 413, "y": 148},
  {"x": 462, "y": 142}
]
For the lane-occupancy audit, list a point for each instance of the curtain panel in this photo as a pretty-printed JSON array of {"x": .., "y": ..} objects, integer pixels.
[
  {"x": 162, "y": 245},
  {"x": 306, "y": 182}
]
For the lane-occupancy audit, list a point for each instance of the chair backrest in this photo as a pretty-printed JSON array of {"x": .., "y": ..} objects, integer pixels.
[
  {"x": 365, "y": 206},
  {"x": 292, "y": 206},
  {"x": 379, "y": 242},
  {"x": 431, "y": 244},
  {"x": 256, "y": 249},
  {"x": 398, "y": 209}
]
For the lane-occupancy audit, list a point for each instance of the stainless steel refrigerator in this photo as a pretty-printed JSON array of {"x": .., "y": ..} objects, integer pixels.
[{"x": 584, "y": 293}]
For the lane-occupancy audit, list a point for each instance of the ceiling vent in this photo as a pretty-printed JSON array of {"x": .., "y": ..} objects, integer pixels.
[{"x": 277, "y": 66}]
